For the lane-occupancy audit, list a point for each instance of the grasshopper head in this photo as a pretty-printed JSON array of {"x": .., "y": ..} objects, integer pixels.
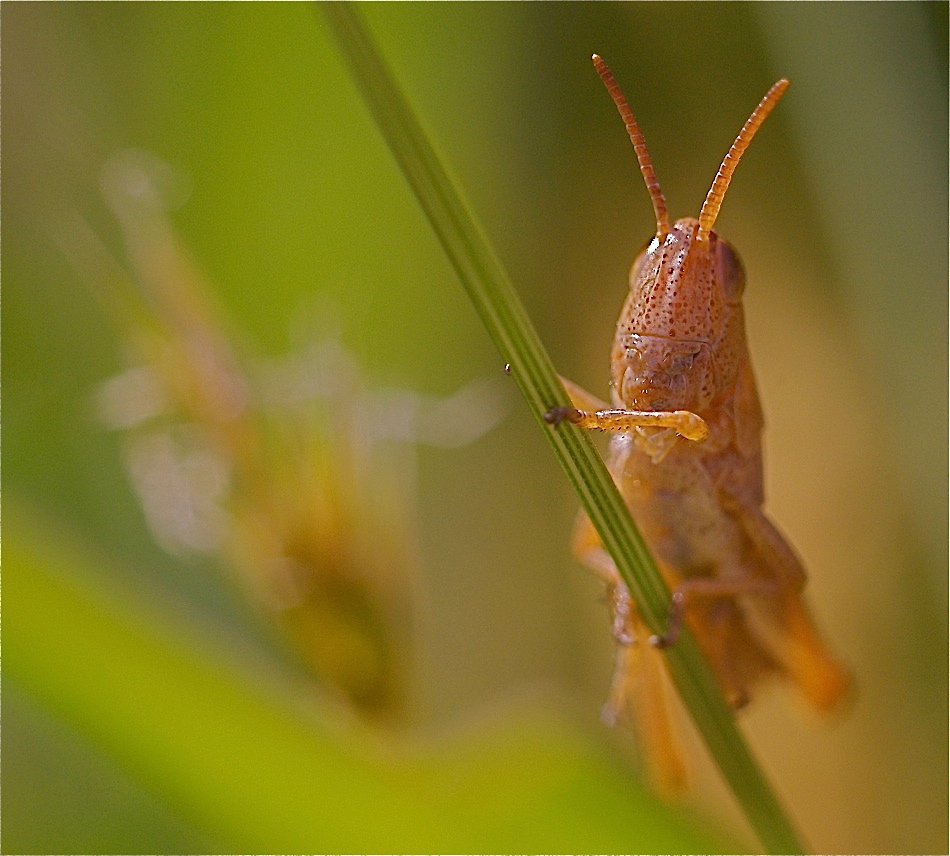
[{"x": 679, "y": 335}]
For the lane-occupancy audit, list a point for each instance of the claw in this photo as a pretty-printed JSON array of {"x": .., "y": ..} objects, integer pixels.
[
  {"x": 674, "y": 623},
  {"x": 556, "y": 415}
]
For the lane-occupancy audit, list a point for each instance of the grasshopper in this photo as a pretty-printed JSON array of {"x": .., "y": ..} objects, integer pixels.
[{"x": 686, "y": 454}]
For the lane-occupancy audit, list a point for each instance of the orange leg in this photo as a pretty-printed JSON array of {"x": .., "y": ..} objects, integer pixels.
[{"x": 603, "y": 418}]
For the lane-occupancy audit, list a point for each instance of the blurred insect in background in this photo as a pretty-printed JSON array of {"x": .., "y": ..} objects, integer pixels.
[
  {"x": 291, "y": 472},
  {"x": 687, "y": 459}
]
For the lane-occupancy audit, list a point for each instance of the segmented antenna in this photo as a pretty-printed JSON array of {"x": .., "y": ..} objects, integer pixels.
[
  {"x": 639, "y": 146},
  {"x": 710, "y": 210}
]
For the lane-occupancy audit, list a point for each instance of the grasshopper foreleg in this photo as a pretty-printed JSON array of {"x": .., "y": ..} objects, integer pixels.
[
  {"x": 597, "y": 415},
  {"x": 684, "y": 422}
]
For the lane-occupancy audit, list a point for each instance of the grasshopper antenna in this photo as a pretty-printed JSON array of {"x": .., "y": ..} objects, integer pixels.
[
  {"x": 710, "y": 209},
  {"x": 639, "y": 146}
]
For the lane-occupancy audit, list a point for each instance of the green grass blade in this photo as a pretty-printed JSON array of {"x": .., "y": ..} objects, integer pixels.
[{"x": 497, "y": 302}]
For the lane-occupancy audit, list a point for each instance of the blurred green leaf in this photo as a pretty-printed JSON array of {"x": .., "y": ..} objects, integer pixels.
[{"x": 261, "y": 775}]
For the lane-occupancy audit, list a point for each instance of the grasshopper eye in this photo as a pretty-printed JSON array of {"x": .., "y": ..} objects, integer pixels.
[{"x": 731, "y": 272}]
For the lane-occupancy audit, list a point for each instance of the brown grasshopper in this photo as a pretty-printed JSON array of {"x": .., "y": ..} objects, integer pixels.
[{"x": 686, "y": 455}]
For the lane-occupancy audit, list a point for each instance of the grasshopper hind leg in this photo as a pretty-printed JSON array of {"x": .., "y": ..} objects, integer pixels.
[{"x": 783, "y": 621}]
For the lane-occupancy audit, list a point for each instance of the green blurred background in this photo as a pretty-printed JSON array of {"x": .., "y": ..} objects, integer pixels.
[{"x": 839, "y": 211}]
